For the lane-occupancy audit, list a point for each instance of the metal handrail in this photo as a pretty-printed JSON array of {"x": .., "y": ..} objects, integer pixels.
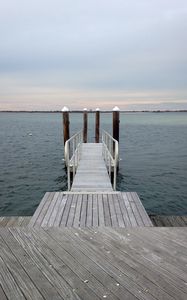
[
  {"x": 72, "y": 154},
  {"x": 110, "y": 152}
]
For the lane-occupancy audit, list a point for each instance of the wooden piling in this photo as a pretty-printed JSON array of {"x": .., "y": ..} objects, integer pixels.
[
  {"x": 97, "y": 125},
  {"x": 85, "y": 125},
  {"x": 65, "y": 112},
  {"x": 116, "y": 121}
]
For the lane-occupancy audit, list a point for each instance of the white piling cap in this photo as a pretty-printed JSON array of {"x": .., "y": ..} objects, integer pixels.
[
  {"x": 116, "y": 108},
  {"x": 65, "y": 108},
  {"x": 97, "y": 109},
  {"x": 85, "y": 109}
]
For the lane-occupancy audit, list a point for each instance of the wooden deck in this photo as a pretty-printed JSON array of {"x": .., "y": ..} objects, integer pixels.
[
  {"x": 91, "y": 173},
  {"x": 169, "y": 221},
  {"x": 66, "y": 263},
  {"x": 114, "y": 209},
  {"x": 14, "y": 221},
  {"x": 157, "y": 220}
]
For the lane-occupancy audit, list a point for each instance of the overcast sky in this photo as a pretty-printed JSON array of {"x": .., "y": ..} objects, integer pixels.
[{"x": 93, "y": 53}]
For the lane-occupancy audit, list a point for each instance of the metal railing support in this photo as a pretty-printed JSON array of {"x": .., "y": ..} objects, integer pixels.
[
  {"x": 72, "y": 154},
  {"x": 110, "y": 154}
]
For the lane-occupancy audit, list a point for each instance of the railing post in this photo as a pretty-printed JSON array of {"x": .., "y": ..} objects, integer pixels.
[
  {"x": 65, "y": 112},
  {"x": 85, "y": 125},
  {"x": 68, "y": 168},
  {"x": 97, "y": 124},
  {"x": 74, "y": 141}
]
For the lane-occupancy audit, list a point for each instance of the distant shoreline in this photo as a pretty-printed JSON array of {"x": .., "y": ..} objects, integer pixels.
[{"x": 92, "y": 111}]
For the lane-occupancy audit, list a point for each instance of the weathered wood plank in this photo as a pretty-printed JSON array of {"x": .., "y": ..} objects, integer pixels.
[
  {"x": 55, "y": 210},
  {"x": 184, "y": 218},
  {"x": 65, "y": 215},
  {"x": 50, "y": 210},
  {"x": 81, "y": 265},
  {"x": 100, "y": 254},
  {"x": 89, "y": 218},
  {"x": 21, "y": 279},
  {"x": 72, "y": 211},
  {"x": 15, "y": 221},
  {"x": 100, "y": 268},
  {"x": 60, "y": 210},
  {"x": 39, "y": 208},
  {"x": 168, "y": 221},
  {"x": 76, "y": 222},
  {"x": 106, "y": 209},
  {"x": 107, "y": 216},
  {"x": 75, "y": 288},
  {"x": 114, "y": 220},
  {"x": 160, "y": 258},
  {"x": 83, "y": 211},
  {"x": 95, "y": 211},
  {"x": 145, "y": 263},
  {"x": 8, "y": 283},
  {"x": 180, "y": 221},
  {"x": 33, "y": 249},
  {"x": 11, "y": 222},
  {"x": 127, "y": 243},
  {"x": 124, "y": 211},
  {"x": 38, "y": 217},
  {"x": 118, "y": 211},
  {"x": 2, "y": 293},
  {"x": 100, "y": 210},
  {"x": 129, "y": 210}
]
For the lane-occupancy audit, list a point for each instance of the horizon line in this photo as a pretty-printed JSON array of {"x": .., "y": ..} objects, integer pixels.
[{"x": 93, "y": 111}]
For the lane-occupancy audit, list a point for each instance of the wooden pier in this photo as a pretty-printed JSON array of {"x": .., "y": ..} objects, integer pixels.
[{"x": 91, "y": 242}]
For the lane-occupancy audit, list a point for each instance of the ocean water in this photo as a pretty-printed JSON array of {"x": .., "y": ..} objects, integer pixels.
[{"x": 153, "y": 152}]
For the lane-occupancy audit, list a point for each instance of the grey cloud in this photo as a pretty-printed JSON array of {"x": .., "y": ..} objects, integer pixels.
[{"x": 96, "y": 44}]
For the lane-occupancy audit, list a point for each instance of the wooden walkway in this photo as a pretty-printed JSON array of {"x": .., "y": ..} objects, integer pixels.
[
  {"x": 114, "y": 209},
  {"x": 91, "y": 173},
  {"x": 88, "y": 264}
]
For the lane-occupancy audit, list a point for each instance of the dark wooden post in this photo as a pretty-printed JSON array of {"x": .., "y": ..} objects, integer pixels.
[
  {"x": 97, "y": 124},
  {"x": 85, "y": 125},
  {"x": 65, "y": 111},
  {"x": 116, "y": 122}
]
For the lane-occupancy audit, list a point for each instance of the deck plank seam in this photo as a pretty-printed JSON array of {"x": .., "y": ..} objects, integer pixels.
[
  {"x": 119, "y": 212},
  {"x": 47, "y": 217},
  {"x": 124, "y": 211},
  {"x": 45, "y": 208},
  {"x": 54, "y": 212},
  {"x": 138, "y": 209},
  {"x": 131, "y": 225},
  {"x": 141, "y": 210},
  {"x": 133, "y": 215},
  {"x": 39, "y": 208}
]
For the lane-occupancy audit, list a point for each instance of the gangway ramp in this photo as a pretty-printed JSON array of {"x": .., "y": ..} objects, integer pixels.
[{"x": 91, "y": 173}]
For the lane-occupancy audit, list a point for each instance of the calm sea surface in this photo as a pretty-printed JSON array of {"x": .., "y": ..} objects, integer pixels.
[{"x": 153, "y": 149}]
